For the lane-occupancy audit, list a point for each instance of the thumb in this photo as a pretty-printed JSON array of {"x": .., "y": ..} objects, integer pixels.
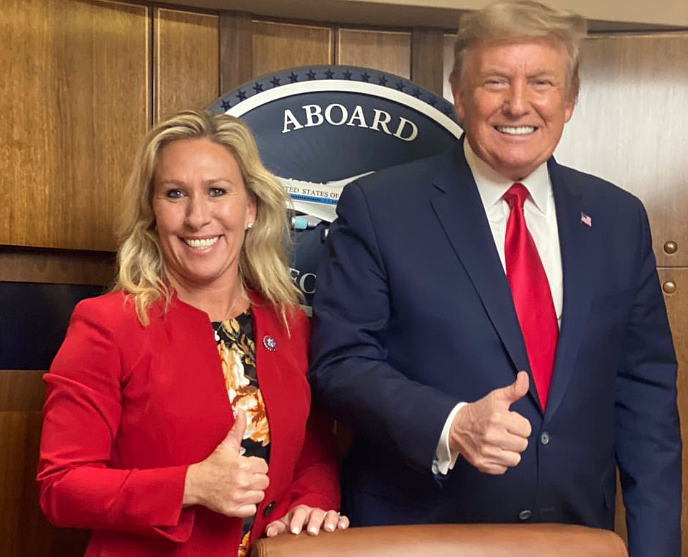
[
  {"x": 515, "y": 391},
  {"x": 236, "y": 434}
]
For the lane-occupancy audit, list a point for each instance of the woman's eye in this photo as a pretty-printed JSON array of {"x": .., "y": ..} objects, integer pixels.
[
  {"x": 174, "y": 194},
  {"x": 217, "y": 192}
]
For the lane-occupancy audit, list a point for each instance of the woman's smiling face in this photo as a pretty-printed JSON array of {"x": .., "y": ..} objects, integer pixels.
[{"x": 202, "y": 210}]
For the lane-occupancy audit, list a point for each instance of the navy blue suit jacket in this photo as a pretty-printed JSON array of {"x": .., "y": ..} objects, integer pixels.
[{"x": 413, "y": 313}]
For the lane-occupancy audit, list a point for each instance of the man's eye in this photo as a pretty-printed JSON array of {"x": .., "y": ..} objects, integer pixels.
[
  {"x": 174, "y": 194},
  {"x": 217, "y": 192}
]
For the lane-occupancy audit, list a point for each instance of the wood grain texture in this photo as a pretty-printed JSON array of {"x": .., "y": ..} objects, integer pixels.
[
  {"x": 427, "y": 58},
  {"x": 279, "y": 46},
  {"x": 389, "y": 51},
  {"x": 75, "y": 96},
  {"x": 56, "y": 266},
  {"x": 236, "y": 49},
  {"x": 631, "y": 125},
  {"x": 21, "y": 391},
  {"x": 186, "y": 61},
  {"x": 23, "y": 529}
]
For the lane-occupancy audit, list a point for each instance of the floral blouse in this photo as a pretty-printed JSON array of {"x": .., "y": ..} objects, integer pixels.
[{"x": 235, "y": 343}]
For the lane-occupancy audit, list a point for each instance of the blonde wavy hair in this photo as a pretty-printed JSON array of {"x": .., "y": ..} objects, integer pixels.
[
  {"x": 511, "y": 21},
  {"x": 263, "y": 261}
]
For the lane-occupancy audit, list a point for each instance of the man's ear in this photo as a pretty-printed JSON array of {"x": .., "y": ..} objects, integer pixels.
[{"x": 459, "y": 105}]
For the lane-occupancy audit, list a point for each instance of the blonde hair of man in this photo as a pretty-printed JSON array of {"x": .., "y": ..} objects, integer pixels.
[
  {"x": 263, "y": 262},
  {"x": 513, "y": 21}
]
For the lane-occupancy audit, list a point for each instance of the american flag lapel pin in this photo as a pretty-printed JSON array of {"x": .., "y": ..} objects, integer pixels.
[{"x": 586, "y": 219}]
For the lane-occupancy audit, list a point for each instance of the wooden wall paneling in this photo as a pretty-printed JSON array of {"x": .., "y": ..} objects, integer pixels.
[
  {"x": 279, "y": 46},
  {"x": 388, "y": 51},
  {"x": 56, "y": 266},
  {"x": 21, "y": 391},
  {"x": 23, "y": 529},
  {"x": 630, "y": 127},
  {"x": 236, "y": 49},
  {"x": 186, "y": 60},
  {"x": 75, "y": 93},
  {"x": 427, "y": 58}
]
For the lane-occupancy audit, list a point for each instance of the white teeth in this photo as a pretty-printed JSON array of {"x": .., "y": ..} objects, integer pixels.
[
  {"x": 521, "y": 130},
  {"x": 201, "y": 243}
]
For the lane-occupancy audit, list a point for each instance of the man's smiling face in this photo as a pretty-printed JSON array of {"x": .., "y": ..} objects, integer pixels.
[{"x": 514, "y": 100}]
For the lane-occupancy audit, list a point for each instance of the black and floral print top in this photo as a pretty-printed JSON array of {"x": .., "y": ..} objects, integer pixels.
[{"x": 236, "y": 345}]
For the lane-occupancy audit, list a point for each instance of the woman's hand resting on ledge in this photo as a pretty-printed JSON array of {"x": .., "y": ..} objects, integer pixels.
[{"x": 311, "y": 519}]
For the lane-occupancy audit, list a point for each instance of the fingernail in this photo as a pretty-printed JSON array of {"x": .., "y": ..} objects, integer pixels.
[
  {"x": 313, "y": 530},
  {"x": 268, "y": 532},
  {"x": 329, "y": 527},
  {"x": 295, "y": 530}
]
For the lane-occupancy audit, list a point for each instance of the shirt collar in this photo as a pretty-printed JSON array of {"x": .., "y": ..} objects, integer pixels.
[{"x": 492, "y": 185}]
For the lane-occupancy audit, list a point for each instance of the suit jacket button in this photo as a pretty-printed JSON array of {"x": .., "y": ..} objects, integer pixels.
[
  {"x": 267, "y": 511},
  {"x": 544, "y": 438},
  {"x": 525, "y": 514}
]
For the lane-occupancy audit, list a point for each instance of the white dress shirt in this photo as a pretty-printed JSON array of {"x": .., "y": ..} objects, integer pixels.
[{"x": 541, "y": 219}]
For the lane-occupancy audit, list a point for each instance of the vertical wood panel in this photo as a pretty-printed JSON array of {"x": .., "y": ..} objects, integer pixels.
[
  {"x": 186, "y": 60},
  {"x": 75, "y": 96},
  {"x": 389, "y": 51},
  {"x": 236, "y": 49},
  {"x": 279, "y": 46},
  {"x": 23, "y": 529},
  {"x": 427, "y": 58},
  {"x": 631, "y": 125}
]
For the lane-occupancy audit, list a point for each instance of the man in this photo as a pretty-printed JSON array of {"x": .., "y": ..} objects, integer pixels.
[{"x": 490, "y": 323}]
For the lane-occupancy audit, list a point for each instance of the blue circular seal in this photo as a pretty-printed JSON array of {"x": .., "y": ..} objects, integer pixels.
[{"x": 321, "y": 127}]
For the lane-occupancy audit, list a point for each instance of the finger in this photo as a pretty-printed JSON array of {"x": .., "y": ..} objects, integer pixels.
[
  {"x": 493, "y": 469},
  {"x": 343, "y": 522},
  {"x": 299, "y": 516},
  {"x": 236, "y": 434},
  {"x": 260, "y": 482},
  {"x": 518, "y": 425},
  {"x": 244, "y": 511},
  {"x": 514, "y": 444},
  {"x": 331, "y": 521},
  {"x": 516, "y": 390},
  {"x": 276, "y": 528},
  {"x": 257, "y": 464},
  {"x": 315, "y": 521}
]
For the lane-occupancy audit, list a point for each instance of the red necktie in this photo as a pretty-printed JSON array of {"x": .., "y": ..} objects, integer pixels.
[{"x": 531, "y": 293}]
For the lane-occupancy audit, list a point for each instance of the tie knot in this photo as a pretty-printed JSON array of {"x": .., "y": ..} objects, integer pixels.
[{"x": 516, "y": 195}]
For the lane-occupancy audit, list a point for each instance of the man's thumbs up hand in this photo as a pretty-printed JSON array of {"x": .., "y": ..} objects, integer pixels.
[{"x": 488, "y": 434}]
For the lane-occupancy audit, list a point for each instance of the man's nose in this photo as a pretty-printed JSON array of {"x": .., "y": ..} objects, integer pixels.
[
  {"x": 516, "y": 100},
  {"x": 197, "y": 212}
]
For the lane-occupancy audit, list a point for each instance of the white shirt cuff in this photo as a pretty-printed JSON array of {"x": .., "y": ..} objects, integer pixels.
[{"x": 445, "y": 458}]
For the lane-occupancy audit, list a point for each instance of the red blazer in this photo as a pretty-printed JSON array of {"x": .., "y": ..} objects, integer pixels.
[{"x": 128, "y": 408}]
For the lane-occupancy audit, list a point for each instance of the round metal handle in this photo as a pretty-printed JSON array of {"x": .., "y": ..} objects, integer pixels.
[
  {"x": 669, "y": 287},
  {"x": 670, "y": 247}
]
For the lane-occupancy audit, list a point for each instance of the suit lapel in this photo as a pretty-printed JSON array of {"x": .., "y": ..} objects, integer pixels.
[
  {"x": 575, "y": 239},
  {"x": 458, "y": 207}
]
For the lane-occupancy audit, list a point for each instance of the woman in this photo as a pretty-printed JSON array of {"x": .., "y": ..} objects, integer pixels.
[{"x": 140, "y": 440}]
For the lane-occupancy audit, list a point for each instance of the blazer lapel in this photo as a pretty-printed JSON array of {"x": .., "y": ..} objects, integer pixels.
[
  {"x": 575, "y": 239},
  {"x": 460, "y": 211}
]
